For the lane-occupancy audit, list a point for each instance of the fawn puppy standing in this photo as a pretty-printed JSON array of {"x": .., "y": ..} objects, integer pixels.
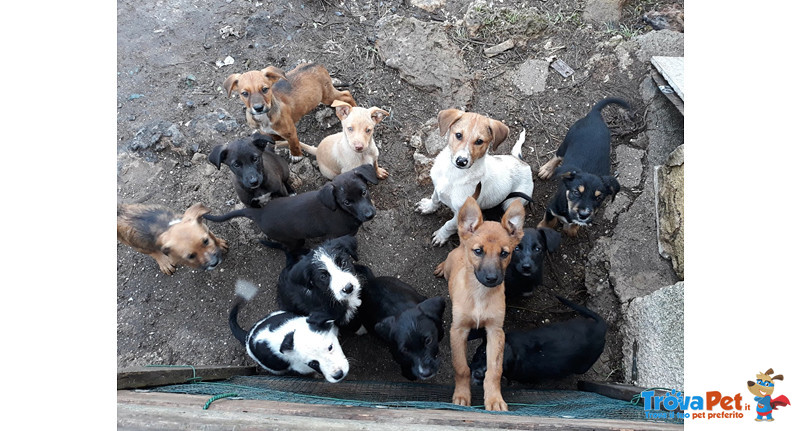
[{"x": 474, "y": 272}]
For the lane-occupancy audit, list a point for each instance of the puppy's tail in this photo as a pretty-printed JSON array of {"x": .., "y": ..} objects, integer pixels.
[
  {"x": 583, "y": 311},
  {"x": 516, "y": 150},
  {"x": 519, "y": 195},
  {"x": 244, "y": 212},
  {"x": 245, "y": 291},
  {"x": 609, "y": 100}
]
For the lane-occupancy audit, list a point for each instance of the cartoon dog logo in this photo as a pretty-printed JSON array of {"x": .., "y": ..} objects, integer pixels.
[{"x": 763, "y": 388}]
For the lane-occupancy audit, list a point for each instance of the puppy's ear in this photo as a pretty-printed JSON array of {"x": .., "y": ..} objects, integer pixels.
[
  {"x": 327, "y": 197},
  {"x": 367, "y": 173},
  {"x": 261, "y": 141},
  {"x": 218, "y": 155},
  {"x": 347, "y": 244},
  {"x": 195, "y": 212},
  {"x": 321, "y": 322},
  {"x": 231, "y": 83},
  {"x": 612, "y": 186},
  {"x": 288, "y": 343},
  {"x": 499, "y": 132},
  {"x": 377, "y": 114},
  {"x": 446, "y": 119},
  {"x": 551, "y": 238},
  {"x": 273, "y": 74},
  {"x": 513, "y": 220},
  {"x": 384, "y": 327},
  {"x": 470, "y": 218},
  {"x": 567, "y": 175},
  {"x": 342, "y": 109},
  {"x": 777, "y": 377},
  {"x": 433, "y": 307}
]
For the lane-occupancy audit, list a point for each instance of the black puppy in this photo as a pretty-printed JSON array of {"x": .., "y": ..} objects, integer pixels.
[
  {"x": 585, "y": 158},
  {"x": 258, "y": 173},
  {"x": 550, "y": 352},
  {"x": 524, "y": 272},
  {"x": 338, "y": 208},
  {"x": 321, "y": 282},
  {"x": 409, "y": 323}
]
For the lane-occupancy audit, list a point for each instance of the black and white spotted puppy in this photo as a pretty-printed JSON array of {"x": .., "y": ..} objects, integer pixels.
[
  {"x": 322, "y": 281},
  {"x": 285, "y": 343}
]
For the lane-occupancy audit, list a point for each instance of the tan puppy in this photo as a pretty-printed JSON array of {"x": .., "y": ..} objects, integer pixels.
[
  {"x": 353, "y": 146},
  {"x": 474, "y": 272},
  {"x": 275, "y": 101},
  {"x": 168, "y": 237}
]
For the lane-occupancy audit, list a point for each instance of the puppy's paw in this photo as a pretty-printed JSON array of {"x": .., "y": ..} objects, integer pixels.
[
  {"x": 222, "y": 244},
  {"x": 382, "y": 173},
  {"x": 461, "y": 398},
  {"x": 439, "y": 271},
  {"x": 295, "y": 159},
  {"x": 167, "y": 268},
  {"x": 571, "y": 230},
  {"x": 545, "y": 172},
  {"x": 425, "y": 206},
  {"x": 440, "y": 237},
  {"x": 495, "y": 404}
]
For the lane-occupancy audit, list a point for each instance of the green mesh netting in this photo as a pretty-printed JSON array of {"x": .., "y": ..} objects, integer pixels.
[{"x": 526, "y": 402}]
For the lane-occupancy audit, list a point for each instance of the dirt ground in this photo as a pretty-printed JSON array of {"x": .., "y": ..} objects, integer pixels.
[{"x": 171, "y": 110}]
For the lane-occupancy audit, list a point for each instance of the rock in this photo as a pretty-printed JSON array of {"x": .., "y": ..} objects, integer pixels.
[
  {"x": 629, "y": 166},
  {"x": 655, "y": 323},
  {"x": 487, "y": 20},
  {"x": 669, "y": 209},
  {"x": 531, "y": 76},
  {"x": 424, "y": 56},
  {"x": 422, "y": 166},
  {"x": 603, "y": 11},
  {"x": 497, "y": 49},
  {"x": 667, "y": 43},
  {"x": 156, "y": 136},
  {"x": 211, "y": 129},
  {"x": 428, "y": 5}
]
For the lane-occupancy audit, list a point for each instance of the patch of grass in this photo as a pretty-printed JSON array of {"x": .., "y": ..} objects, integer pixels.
[{"x": 623, "y": 30}]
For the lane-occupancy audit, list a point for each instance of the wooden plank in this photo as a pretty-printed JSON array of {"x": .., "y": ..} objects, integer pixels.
[
  {"x": 671, "y": 68},
  {"x": 672, "y": 97},
  {"x": 137, "y": 410},
  {"x": 143, "y": 377}
]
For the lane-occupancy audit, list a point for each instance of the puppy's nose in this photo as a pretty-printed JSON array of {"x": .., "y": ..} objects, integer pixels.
[
  {"x": 258, "y": 108},
  {"x": 339, "y": 375},
  {"x": 369, "y": 214},
  {"x": 348, "y": 289},
  {"x": 585, "y": 213},
  {"x": 461, "y": 162},
  {"x": 526, "y": 266},
  {"x": 491, "y": 278},
  {"x": 477, "y": 375}
]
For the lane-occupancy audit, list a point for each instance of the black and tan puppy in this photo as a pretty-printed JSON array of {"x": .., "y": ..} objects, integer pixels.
[
  {"x": 524, "y": 272},
  {"x": 258, "y": 173},
  {"x": 585, "y": 165},
  {"x": 409, "y": 323},
  {"x": 168, "y": 237},
  {"x": 275, "y": 101},
  {"x": 338, "y": 208},
  {"x": 549, "y": 352}
]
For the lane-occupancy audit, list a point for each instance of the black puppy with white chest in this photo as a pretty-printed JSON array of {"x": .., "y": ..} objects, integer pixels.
[
  {"x": 321, "y": 282},
  {"x": 258, "y": 173},
  {"x": 338, "y": 208},
  {"x": 585, "y": 165},
  {"x": 549, "y": 352},
  {"x": 524, "y": 272},
  {"x": 408, "y": 322}
]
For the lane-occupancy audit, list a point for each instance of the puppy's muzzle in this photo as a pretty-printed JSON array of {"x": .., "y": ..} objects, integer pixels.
[
  {"x": 258, "y": 108},
  {"x": 348, "y": 289},
  {"x": 462, "y": 162},
  {"x": 489, "y": 278},
  {"x": 213, "y": 261},
  {"x": 339, "y": 375},
  {"x": 478, "y": 375}
]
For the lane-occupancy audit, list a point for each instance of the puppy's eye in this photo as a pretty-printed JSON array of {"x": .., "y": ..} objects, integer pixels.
[
  {"x": 599, "y": 198},
  {"x": 255, "y": 158},
  {"x": 459, "y": 136},
  {"x": 479, "y": 142},
  {"x": 205, "y": 241},
  {"x": 191, "y": 256},
  {"x": 264, "y": 89},
  {"x": 346, "y": 202},
  {"x": 478, "y": 251},
  {"x": 236, "y": 164},
  {"x": 575, "y": 193},
  {"x": 330, "y": 347},
  {"x": 503, "y": 254},
  {"x": 324, "y": 275},
  {"x": 537, "y": 248},
  {"x": 368, "y": 130},
  {"x": 245, "y": 93},
  {"x": 428, "y": 341},
  {"x": 364, "y": 192},
  {"x": 517, "y": 248},
  {"x": 350, "y": 129}
]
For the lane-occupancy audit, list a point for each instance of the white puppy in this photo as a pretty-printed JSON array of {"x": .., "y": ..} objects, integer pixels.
[{"x": 464, "y": 164}]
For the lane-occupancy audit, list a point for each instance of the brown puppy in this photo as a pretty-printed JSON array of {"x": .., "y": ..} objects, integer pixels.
[
  {"x": 353, "y": 146},
  {"x": 474, "y": 272},
  {"x": 275, "y": 101},
  {"x": 168, "y": 238}
]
